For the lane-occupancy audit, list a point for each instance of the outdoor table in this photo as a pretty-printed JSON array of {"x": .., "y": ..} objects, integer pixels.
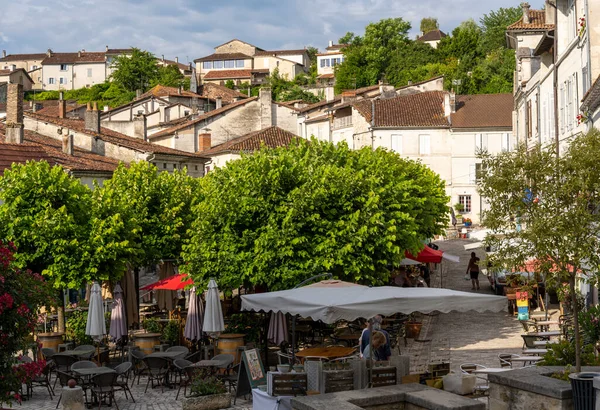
[
  {"x": 77, "y": 353},
  {"x": 93, "y": 371},
  {"x": 551, "y": 333},
  {"x": 491, "y": 370},
  {"x": 535, "y": 352},
  {"x": 348, "y": 338},
  {"x": 545, "y": 324},
  {"x": 329, "y": 353},
  {"x": 212, "y": 365},
  {"x": 540, "y": 343},
  {"x": 527, "y": 359},
  {"x": 168, "y": 355}
]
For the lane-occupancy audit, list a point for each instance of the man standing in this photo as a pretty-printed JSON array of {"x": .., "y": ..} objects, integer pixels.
[{"x": 384, "y": 352}]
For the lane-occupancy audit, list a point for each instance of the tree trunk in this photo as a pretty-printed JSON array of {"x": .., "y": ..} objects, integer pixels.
[
  {"x": 60, "y": 313},
  {"x": 575, "y": 310}
]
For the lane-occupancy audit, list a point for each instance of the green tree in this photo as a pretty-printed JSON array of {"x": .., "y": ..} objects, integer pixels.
[
  {"x": 282, "y": 215},
  {"x": 428, "y": 24},
  {"x": 230, "y": 84},
  {"x": 312, "y": 57},
  {"x": 135, "y": 71},
  {"x": 407, "y": 58},
  {"x": 554, "y": 201},
  {"x": 169, "y": 76},
  {"x": 494, "y": 26}
]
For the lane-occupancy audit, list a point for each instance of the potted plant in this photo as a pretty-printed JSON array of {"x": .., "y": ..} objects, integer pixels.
[
  {"x": 468, "y": 222},
  {"x": 171, "y": 333},
  {"x": 150, "y": 337},
  {"x": 207, "y": 393}
]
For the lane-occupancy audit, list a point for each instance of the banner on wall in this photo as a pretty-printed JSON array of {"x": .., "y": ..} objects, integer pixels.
[{"x": 523, "y": 305}]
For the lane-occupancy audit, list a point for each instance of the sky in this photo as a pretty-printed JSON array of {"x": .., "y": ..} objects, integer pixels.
[{"x": 190, "y": 29}]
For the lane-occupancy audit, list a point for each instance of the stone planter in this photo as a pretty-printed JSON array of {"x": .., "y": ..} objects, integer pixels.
[{"x": 212, "y": 402}]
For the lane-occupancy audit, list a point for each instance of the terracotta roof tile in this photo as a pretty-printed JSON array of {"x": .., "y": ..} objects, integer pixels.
[
  {"x": 212, "y": 91},
  {"x": 9, "y": 72},
  {"x": 417, "y": 110},
  {"x": 537, "y": 21},
  {"x": 336, "y": 47},
  {"x": 433, "y": 35},
  {"x": 223, "y": 56},
  {"x": 331, "y": 75},
  {"x": 265, "y": 53},
  {"x": 338, "y": 98},
  {"x": 111, "y": 136},
  {"x": 38, "y": 147},
  {"x": 271, "y": 137},
  {"x": 164, "y": 91},
  {"x": 203, "y": 117},
  {"x": 22, "y": 57},
  {"x": 74, "y": 58},
  {"x": 227, "y": 74},
  {"x": 483, "y": 111},
  {"x": 119, "y": 51},
  {"x": 52, "y": 110}
]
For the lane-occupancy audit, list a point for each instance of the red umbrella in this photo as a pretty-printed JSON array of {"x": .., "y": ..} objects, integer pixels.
[
  {"x": 174, "y": 282},
  {"x": 426, "y": 255}
]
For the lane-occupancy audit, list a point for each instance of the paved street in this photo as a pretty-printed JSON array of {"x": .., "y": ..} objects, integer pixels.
[{"x": 456, "y": 337}]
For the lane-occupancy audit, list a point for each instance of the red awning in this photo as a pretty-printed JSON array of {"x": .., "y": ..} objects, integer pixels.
[
  {"x": 427, "y": 255},
  {"x": 174, "y": 282}
]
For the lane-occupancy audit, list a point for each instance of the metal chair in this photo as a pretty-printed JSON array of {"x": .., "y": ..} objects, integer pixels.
[
  {"x": 63, "y": 378},
  {"x": 158, "y": 369},
  {"x": 180, "y": 366},
  {"x": 62, "y": 363},
  {"x": 104, "y": 387},
  {"x": 528, "y": 341},
  {"x": 89, "y": 348},
  {"x": 194, "y": 357},
  {"x": 506, "y": 359},
  {"x": 43, "y": 380},
  {"x": 48, "y": 352},
  {"x": 122, "y": 383},
  {"x": 139, "y": 366},
  {"x": 469, "y": 368},
  {"x": 83, "y": 364}
]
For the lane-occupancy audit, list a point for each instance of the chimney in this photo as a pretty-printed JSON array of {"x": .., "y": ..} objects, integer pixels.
[
  {"x": 62, "y": 106},
  {"x": 79, "y": 54},
  {"x": 3, "y": 53},
  {"x": 447, "y": 108},
  {"x": 107, "y": 48},
  {"x": 140, "y": 129},
  {"x": 14, "y": 113},
  {"x": 266, "y": 107},
  {"x": 204, "y": 142},
  {"x": 92, "y": 118},
  {"x": 348, "y": 96},
  {"x": 12, "y": 67},
  {"x": 330, "y": 43},
  {"x": 83, "y": 50},
  {"x": 177, "y": 60},
  {"x": 549, "y": 10},
  {"x": 195, "y": 105},
  {"x": 219, "y": 103},
  {"x": 49, "y": 52},
  {"x": 452, "y": 101},
  {"x": 138, "y": 93},
  {"x": 525, "y": 6},
  {"x": 179, "y": 90},
  {"x": 67, "y": 143},
  {"x": 106, "y": 108}
]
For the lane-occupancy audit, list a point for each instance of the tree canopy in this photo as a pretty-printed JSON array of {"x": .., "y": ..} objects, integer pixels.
[
  {"x": 428, "y": 24},
  {"x": 136, "y": 71},
  {"x": 282, "y": 215},
  {"x": 545, "y": 208}
]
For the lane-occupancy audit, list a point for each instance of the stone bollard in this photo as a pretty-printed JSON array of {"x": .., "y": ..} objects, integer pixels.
[
  {"x": 597, "y": 391},
  {"x": 72, "y": 398}
]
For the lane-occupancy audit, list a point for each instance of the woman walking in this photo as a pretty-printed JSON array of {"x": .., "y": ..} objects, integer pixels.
[{"x": 473, "y": 270}]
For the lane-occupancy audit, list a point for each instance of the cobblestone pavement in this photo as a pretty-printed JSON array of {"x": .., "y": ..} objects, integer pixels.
[{"x": 455, "y": 337}]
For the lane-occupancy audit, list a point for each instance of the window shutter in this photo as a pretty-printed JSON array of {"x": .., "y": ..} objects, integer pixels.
[
  {"x": 561, "y": 118},
  {"x": 396, "y": 143},
  {"x": 472, "y": 173}
]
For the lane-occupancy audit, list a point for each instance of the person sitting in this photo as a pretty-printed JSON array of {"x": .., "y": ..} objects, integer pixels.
[
  {"x": 377, "y": 341},
  {"x": 384, "y": 351}
]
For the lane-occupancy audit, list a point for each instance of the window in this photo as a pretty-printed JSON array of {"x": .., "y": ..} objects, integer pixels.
[
  {"x": 327, "y": 62},
  {"x": 396, "y": 143},
  {"x": 164, "y": 165},
  {"x": 584, "y": 78},
  {"x": 50, "y": 80},
  {"x": 480, "y": 142},
  {"x": 63, "y": 67},
  {"x": 465, "y": 201},
  {"x": 505, "y": 142},
  {"x": 89, "y": 72},
  {"x": 174, "y": 166},
  {"x": 239, "y": 63},
  {"x": 322, "y": 62},
  {"x": 217, "y": 64},
  {"x": 561, "y": 118},
  {"x": 196, "y": 167},
  {"x": 34, "y": 67},
  {"x": 62, "y": 80},
  {"x": 424, "y": 148},
  {"x": 207, "y": 65},
  {"x": 473, "y": 174},
  {"x": 572, "y": 23},
  {"x": 229, "y": 63}
]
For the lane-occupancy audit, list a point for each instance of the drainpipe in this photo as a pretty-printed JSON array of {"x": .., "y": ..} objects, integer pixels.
[
  {"x": 372, "y": 125},
  {"x": 555, "y": 75}
]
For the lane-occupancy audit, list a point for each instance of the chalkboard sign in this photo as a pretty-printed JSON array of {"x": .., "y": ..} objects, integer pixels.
[{"x": 251, "y": 373}]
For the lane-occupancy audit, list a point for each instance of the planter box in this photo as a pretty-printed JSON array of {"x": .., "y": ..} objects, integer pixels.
[{"x": 212, "y": 402}]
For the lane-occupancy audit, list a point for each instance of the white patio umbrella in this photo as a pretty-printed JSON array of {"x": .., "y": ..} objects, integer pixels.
[
  {"x": 96, "y": 326},
  {"x": 330, "y": 302},
  {"x": 213, "y": 315},
  {"x": 118, "y": 318}
]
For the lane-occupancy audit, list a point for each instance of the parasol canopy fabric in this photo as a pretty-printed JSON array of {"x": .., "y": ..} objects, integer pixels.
[
  {"x": 213, "y": 314},
  {"x": 278, "y": 330},
  {"x": 426, "y": 255},
  {"x": 195, "y": 317},
  {"x": 331, "y": 304},
  {"x": 95, "y": 326},
  {"x": 118, "y": 319},
  {"x": 175, "y": 282}
]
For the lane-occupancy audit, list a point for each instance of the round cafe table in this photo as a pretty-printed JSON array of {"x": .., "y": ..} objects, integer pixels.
[{"x": 333, "y": 352}]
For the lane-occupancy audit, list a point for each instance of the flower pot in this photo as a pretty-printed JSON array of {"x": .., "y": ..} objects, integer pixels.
[
  {"x": 584, "y": 396},
  {"x": 468, "y": 224},
  {"x": 413, "y": 329},
  {"x": 51, "y": 340},
  {"x": 212, "y": 402}
]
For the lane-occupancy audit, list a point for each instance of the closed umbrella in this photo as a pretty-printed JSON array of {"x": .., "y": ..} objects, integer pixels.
[
  {"x": 96, "y": 326},
  {"x": 278, "y": 330},
  {"x": 195, "y": 317},
  {"x": 118, "y": 319},
  {"x": 213, "y": 315}
]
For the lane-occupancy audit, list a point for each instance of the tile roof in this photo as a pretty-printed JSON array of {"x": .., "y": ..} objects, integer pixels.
[
  {"x": 181, "y": 66},
  {"x": 22, "y": 57},
  {"x": 75, "y": 58},
  {"x": 338, "y": 98},
  {"x": 433, "y": 35},
  {"x": 279, "y": 52},
  {"x": 164, "y": 91},
  {"x": 228, "y": 74},
  {"x": 119, "y": 51},
  {"x": 223, "y": 56},
  {"x": 483, "y": 111},
  {"x": 416, "y": 110},
  {"x": 271, "y": 137},
  {"x": 591, "y": 99},
  {"x": 331, "y": 75},
  {"x": 336, "y": 47},
  {"x": 52, "y": 109},
  {"x": 203, "y": 117},
  {"x": 111, "y": 136},
  {"x": 537, "y": 21},
  {"x": 38, "y": 147},
  {"x": 235, "y": 39},
  {"x": 9, "y": 72},
  {"x": 212, "y": 91}
]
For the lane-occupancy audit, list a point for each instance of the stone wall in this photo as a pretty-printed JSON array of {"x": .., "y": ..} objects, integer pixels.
[{"x": 509, "y": 398}]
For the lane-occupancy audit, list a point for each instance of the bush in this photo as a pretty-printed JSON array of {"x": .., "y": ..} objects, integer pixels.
[
  {"x": 151, "y": 325},
  {"x": 563, "y": 354},
  {"x": 203, "y": 385},
  {"x": 75, "y": 330},
  {"x": 171, "y": 332}
]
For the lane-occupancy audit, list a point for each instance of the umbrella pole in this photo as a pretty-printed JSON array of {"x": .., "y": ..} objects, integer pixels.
[{"x": 293, "y": 340}]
